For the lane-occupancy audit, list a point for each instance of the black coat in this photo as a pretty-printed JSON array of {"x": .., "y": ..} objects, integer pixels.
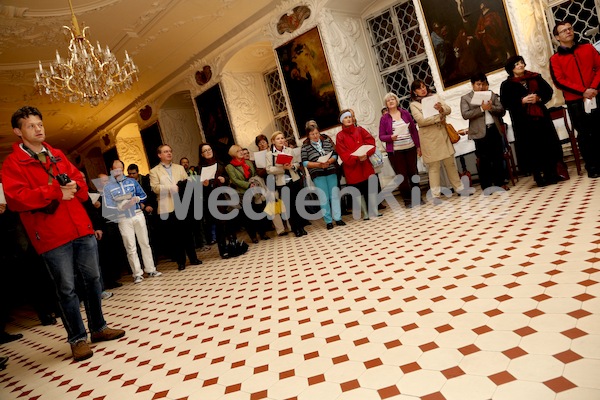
[{"x": 536, "y": 140}]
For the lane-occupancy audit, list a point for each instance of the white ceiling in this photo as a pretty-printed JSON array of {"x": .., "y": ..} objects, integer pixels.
[{"x": 164, "y": 37}]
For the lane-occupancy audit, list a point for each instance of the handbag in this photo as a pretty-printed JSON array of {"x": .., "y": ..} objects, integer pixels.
[{"x": 452, "y": 133}]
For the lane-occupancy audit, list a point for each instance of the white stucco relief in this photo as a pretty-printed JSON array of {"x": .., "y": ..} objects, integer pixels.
[{"x": 242, "y": 98}]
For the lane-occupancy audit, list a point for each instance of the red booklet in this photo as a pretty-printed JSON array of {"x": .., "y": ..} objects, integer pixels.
[{"x": 283, "y": 158}]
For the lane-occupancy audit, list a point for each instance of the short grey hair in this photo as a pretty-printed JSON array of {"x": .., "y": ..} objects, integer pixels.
[{"x": 390, "y": 95}]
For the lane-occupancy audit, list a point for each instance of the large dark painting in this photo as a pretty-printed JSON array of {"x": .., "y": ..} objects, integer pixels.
[
  {"x": 468, "y": 36},
  {"x": 308, "y": 81},
  {"x": 151, "y": 138},
  {"x": 215, "y": 122}
]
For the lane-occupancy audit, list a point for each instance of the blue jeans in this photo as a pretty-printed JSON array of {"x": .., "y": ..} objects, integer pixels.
[
  {"x": 331, "y": 204},
  {"x": 74, "y": 267}
]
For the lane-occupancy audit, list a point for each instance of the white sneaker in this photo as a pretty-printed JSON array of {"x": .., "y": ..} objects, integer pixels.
[
  {"x": 138, "y": 279},
  {"x": 154, "y": 274},
  {"x": 106, "y": 295}
]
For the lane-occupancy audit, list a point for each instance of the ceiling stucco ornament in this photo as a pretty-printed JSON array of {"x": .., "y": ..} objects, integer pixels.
[
  {"x": 12, "y": 11},
  {"x": 203, "y": 76},
  {"x": 293, "y": 20},
  {"x": 216, "y": 66},
  {"x": 271, "y": 30},
  {"x": 146, "y": 113}
]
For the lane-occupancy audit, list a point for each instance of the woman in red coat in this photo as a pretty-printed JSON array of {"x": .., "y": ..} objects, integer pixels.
[{"x": 357, "y": 169}]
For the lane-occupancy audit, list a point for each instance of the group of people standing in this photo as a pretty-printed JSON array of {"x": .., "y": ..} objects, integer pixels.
[
  {"x": 575, "y": 69},
  {"x": 49, "y": 192}
]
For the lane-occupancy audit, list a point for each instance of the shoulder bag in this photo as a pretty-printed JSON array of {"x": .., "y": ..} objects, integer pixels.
[{"x": 452, "y": 133}]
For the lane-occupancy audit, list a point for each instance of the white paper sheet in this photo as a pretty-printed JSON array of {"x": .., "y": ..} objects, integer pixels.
[
  {"x": 208, "y": 173},
  {"x": 480, "y": 97},
  {"x": 260, "y": 159},
  {"x": 427, "y": 106},
  {"x": 2, "y": 198},
  {"x": 94, "y": 197},
  {"x": 324, "y": 158},
  {"x": 362, "y": 150}
]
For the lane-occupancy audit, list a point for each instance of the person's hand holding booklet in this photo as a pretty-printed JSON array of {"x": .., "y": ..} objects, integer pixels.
[{"x": 283, "y": 159}]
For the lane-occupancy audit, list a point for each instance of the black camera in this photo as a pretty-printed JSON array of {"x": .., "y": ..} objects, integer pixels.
[{"x": 63, "y": 179}]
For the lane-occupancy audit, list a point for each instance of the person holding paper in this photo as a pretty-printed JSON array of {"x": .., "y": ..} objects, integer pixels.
[
  {"x": 262, "y": 142},
  {"x": 357, "y": 169},
  {"x": 398, "y": 131},
  {"x": 168, "y": 180},
  {"x": 575, "y": 69},
  {"x": 240, "y": 171},
  {"x": 320, "y": 158},
  {"x": 287, "y": 174},
  {"x": 524, "y": 95},
  {"x": 124, "y": 196},
  {"x": 435, "y": 145},
  {"x": 485, "y": 125},
  {"x": 225, "y": 230}
]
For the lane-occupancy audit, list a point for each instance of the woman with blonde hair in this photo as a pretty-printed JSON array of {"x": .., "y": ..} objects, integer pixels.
[
  {"x": 287, "y": 175},
  {"x": 398, "y": 131},
  {"x": 435, "y": 145}
]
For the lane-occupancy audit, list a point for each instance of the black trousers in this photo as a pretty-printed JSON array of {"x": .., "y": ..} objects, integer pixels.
[
  {"x": 404, "y": 162},
  {"x": 180, "y": 236},
  {"x": 588, "y": 134},
  {"x": 296, "y": 221},
  {"x": 489, "y": 150}
]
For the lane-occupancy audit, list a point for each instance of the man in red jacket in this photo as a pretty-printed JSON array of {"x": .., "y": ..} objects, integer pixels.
[
  {"x": 575, "y": 69},
  {"x": 47, "y": 191}
]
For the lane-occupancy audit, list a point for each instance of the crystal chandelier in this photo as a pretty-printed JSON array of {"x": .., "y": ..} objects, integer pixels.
[{"x": 88, "y": 75}]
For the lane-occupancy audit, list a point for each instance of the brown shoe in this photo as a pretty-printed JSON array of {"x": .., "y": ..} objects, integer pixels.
[
  {"x": 81, "y": 350},
  {"x": 107, "y": 334}
]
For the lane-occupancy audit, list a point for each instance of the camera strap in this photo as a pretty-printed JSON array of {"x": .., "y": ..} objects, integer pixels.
[{"x": 41, "y": 157}]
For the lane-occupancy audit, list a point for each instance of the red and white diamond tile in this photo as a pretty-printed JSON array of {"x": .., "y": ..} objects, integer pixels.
[{"x": 480, "y": 298}]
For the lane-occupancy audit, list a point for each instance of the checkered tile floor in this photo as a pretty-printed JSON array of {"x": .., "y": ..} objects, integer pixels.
[{"x": 477, "y": 298}]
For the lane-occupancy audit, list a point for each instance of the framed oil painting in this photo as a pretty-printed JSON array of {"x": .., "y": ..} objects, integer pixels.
[
  {"x": 468, "y": 36},
  {"x": 308, "y": 81},
  {"x": 215, "y": 121}
]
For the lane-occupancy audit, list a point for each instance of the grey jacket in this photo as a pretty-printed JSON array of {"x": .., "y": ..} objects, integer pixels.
[{"x": 476, "y": 116}]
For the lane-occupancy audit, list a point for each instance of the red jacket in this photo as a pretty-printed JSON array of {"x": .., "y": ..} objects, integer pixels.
[
  {"x": 27, "y": 188},
  {"x": 575, "y": 69},
  {"x": 346, "y": 142}
]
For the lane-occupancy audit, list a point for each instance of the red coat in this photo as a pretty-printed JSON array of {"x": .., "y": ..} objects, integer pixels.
[
  {"x": 575, "y": 69},
  {"x": 26, "y": 188},
  {"x": 346, "y": 142}
]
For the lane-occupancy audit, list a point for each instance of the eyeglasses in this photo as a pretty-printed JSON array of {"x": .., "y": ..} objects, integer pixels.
[
  {"x": 570, "y": 29},
  {"x": 206, "y": 150}
]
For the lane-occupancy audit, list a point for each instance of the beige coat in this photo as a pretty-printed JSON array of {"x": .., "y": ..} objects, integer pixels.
[
  {"x": 278, "y": 171},
  {"x": 435, "y": 145},
  {"x": 161, "y": 184}
]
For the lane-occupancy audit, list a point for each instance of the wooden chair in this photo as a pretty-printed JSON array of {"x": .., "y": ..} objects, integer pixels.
[{"x": 558, "y": 113}]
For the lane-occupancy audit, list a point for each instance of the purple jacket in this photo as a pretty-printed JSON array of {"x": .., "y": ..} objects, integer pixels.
[{"x": 386, "y": 132}]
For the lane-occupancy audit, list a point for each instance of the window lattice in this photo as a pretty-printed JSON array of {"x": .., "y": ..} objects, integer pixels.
[
  {"x": 399, "y": 49},
  {"x": 582, "y": 14},
  {"x": 278, "y": 105}
]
